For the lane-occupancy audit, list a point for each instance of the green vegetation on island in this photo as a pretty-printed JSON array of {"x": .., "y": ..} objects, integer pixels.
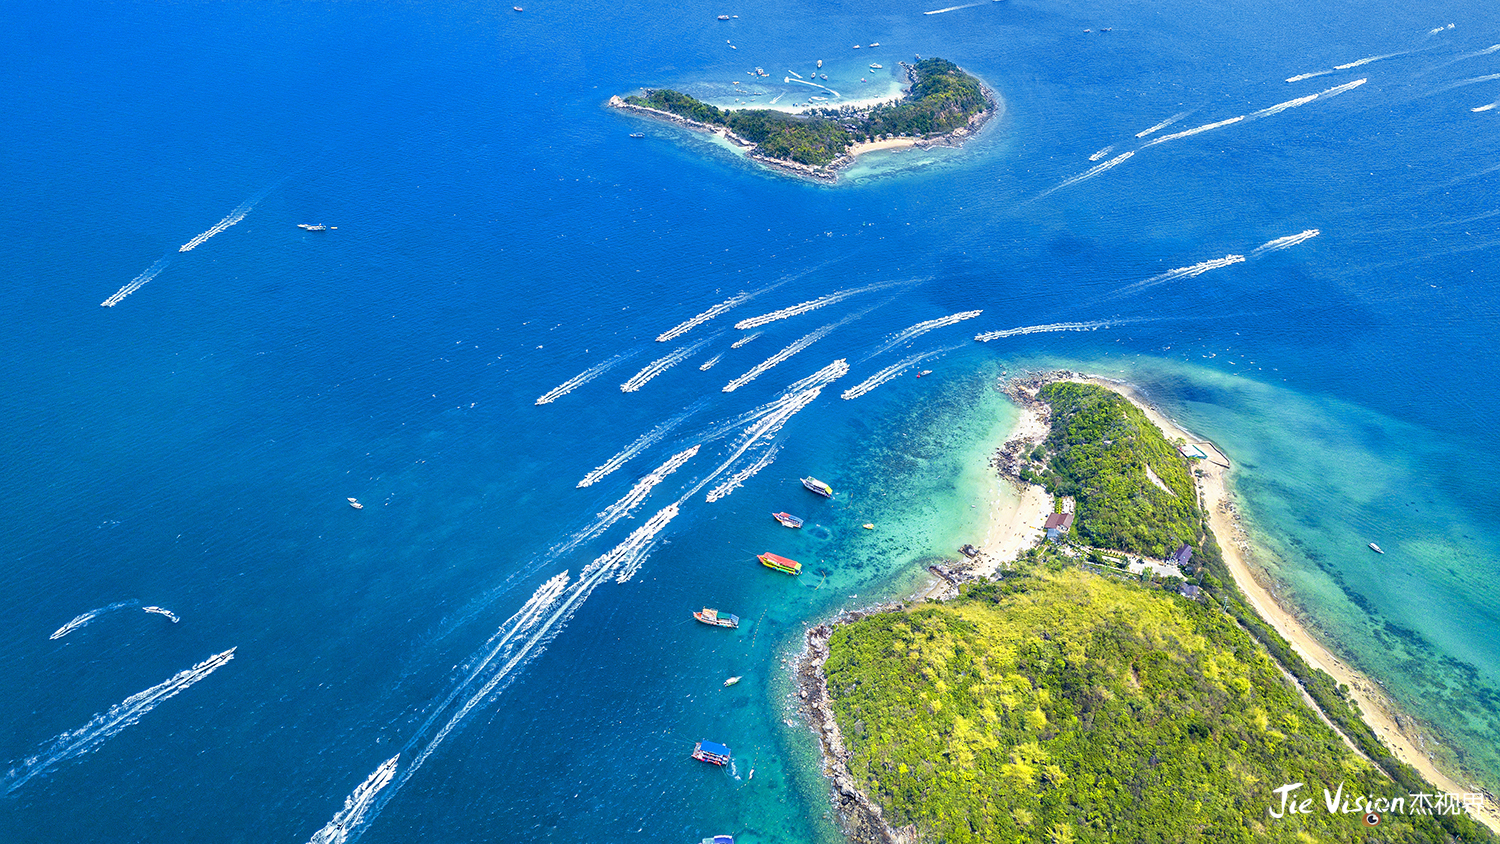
[
  {"x": 942, "y": 98},
  {"x": 1060, "y": 705}
]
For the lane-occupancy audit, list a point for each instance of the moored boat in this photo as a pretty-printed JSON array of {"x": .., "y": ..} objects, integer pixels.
[
  {"x": 354, "y": 502},
  {"x": 714, "y": 754},
  {"x": 1376, "y": 548},
  {"x": 818, "y": 486},
  {"x": 731, "y": 681},
  {"x": 780, "y": 563},
  {"x": 787, "y": 519},
  {"x": 717, "y": 619},
  {"x": 718, "y": 839}
]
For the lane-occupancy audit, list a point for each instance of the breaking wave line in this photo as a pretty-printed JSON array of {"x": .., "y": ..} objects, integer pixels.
[
  {"x": 891, "y": 372},
  {"x": 1284, "y": 242},
  {"x": 1194, "y": 131},
  {"x": 355, "y": 805},
  {"x": 138, "y": 282},
  {"x": 709, "y": 364},
  {"x": 585, "y": 376},
  {"x": 746, "y": 339},
  {"x": 804, "y": 307},
  {"x": 1043, "y": 329},
  {"x": 641, "y": 443},
  {"x": 109, "y": 723},
  {"x": 1162, "y": 125},
  {"x": 922, "y": 328},
  {"x": 661, "y": 365}
]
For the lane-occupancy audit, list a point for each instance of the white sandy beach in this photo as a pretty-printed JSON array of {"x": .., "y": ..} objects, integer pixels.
[
  {"x": 1378, "y": 711},
  {"x": 875, "y": 146}
]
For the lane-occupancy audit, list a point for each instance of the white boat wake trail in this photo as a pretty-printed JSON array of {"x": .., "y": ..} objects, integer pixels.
[
  {"x": 746, "y": 339},
  {"x": 733, "y": 301},
  {"x": 526, "y": 634},
  {"x": 1280, "y": 107},
  {"x": 1350, "y": 66},
  {"x": 337, "y": 830},
  {"x": 756, "y": 438},
  {"x": 585, "y": 376},
  {"x": 138, "y": 282},
  {"x": 83, "y": 619},
  {"x": 813, "y": 305},
  {"x": 1101, "y": 153},
  {"x": 1490, "y": 77},
  {"x": 234, "y": 217},
  {"x": 1284, "y": 242},
  {"x": 952, "y": 8},
  {"x": 643, "y": 442},
  {"x": 661, "y": 365},
  {"x": 1183, "y": 272},
  {"x": 1043, "y": 329},
  {"x": 109, "y": 723},
  {"x": 795, "y": 347},
  {"x": 1194, "y": 131},
  {"x": 892, "y": 371},
  {"x": 1094, "y": 171},
  {"x": 736, "y": 480},
  {"x": 922, "y": 328},
  {"x": 1162, "y": 125},
  {"x": 709, "y": 364},
  {"x": 607, "y": 517}
]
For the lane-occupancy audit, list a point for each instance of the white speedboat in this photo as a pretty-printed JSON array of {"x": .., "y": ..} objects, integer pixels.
[
  {"x": 1376, "y": 548},
  {"x": 354, "y": 502}
]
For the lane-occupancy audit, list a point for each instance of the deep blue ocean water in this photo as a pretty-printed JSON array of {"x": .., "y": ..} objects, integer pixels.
[{"x": 498, "y": 233}]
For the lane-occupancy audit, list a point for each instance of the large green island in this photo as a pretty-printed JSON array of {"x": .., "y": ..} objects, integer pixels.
[
  {"x": 942, "y": 104},
  {"x": 1066, "y": 698}
]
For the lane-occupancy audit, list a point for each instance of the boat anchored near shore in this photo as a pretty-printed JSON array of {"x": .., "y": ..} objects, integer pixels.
[
  {"x": 787, "y": 520},
  {"x": 714, "y": 618},
  {"x": 780, "y": 563},
  {"x": 818, "y": 486},
  {"x": 711, "y": 752}
]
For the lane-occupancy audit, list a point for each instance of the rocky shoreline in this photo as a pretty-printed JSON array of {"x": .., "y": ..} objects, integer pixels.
[{"x": 828, "y": 173}]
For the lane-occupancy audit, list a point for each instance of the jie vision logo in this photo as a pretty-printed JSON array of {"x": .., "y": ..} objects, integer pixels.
[{"x": 1370, "y": 807}]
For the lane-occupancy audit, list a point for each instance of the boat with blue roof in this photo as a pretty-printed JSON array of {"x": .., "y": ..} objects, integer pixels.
[{"x": 711, "y": 752}]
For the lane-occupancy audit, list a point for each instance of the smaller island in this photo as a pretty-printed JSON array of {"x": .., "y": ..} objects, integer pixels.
[{"x": 942, "y": 105}]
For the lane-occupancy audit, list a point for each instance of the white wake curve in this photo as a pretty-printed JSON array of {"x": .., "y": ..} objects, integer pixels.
[
  {"x": 643, "y": 442},
  {"x": 1042, "y": 329},
  {"x": 922, "y": 328},
  {"x": 585, "y": 376}
]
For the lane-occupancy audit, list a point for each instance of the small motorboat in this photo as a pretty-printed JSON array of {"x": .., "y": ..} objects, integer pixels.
[
  {"x": 924, "y": 372},
  {"x": 637, "y": 134},
  {"x": 714, "y": 754},
  {"x": 723, "y": 17},
  {"x": 868, "y": 526},
  {"x": 518, "y": 8},
  {"x": 731, "y": 681},
  {"x": 1376, "y": 548},
  {"x": 717, "y": 619},
  {"x": 874, "y": 43},
  {"x": 718, "y": 839},
  {"x": 168, "y": 614},
  {"x": 354, "y": 502},
  {"x": 313, "y": 227},
  {"x": 787, "y": 520},
  {"x": 780, "y": 563},
  {"x": 817, "y": 486}
]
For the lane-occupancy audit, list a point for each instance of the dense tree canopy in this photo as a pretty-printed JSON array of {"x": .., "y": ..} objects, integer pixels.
[
  {"x": 942, "y": 98},
  {"x": 1063, "y": 707}
]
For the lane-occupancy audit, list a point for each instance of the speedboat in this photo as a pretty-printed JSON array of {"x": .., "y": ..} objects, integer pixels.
[
  {"x": 874, "y": 66},
  {"x": 354, "y": 502},
  {"x": 718, "y": 839},
  {"x": 731, "y": 681},
  {"x": 924, "y": 372},
  {"x": 167, "y": 613},
  {"x": 1376, "y": 548},
  {"x": 787, "y": 520},
  {"x": 313, "y": 227},
  {"x": 637, "y": 134}
]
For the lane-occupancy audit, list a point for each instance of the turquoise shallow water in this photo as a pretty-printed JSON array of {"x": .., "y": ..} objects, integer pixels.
[{"x": 499, "y": 234}]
